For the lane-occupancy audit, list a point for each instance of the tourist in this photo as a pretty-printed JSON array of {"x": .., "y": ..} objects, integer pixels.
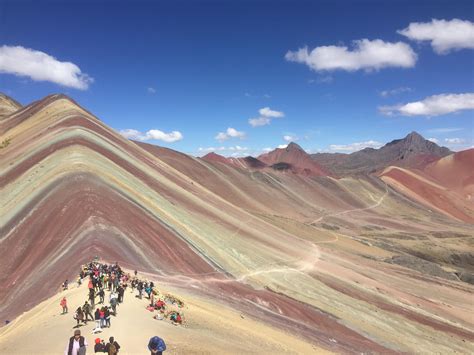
[
  {"x": 86, "y": 308},
  {"x": 107, "y": 317},
  {"x": 156, "y": 345},
  {"x": 101, "y": 295},
  {"x": 97, "y": 321},
  {"x": 99, "y": 346},
  {"x": 112, "y": 347},
  {"x": 76, "y": 345},
  {"x": 79, "y": 316},
  {"x": 63, "y": 304}
]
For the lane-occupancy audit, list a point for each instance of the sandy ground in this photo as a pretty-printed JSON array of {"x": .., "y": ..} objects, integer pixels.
[{"x": 210, "y": 328}]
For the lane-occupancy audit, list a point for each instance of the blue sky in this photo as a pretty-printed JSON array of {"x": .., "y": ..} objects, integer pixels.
[{"x": 198, "y": 68}]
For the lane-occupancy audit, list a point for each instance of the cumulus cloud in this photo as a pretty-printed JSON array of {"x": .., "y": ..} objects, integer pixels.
[
  {"x": 229, "y": 133},
  {"x": 454, "y": 140},
  {"x": 354, "y": 147},
  {"x": 39, "y": 66},
  {"x": 259, "y": 121},
  {"x": 434, "y": 140},
  {"x": 267, "y": 112},
  {"x": 282, "y": 146},
  {"x": 151, "y": 90},
  {"x": 445, "y": 36},
  {"x": 435, "y": 105},
  {"x": 266, "y": 116},
  {"x": 152, "y": 134},
  {"x": 392, "y": 92},
  {"x": 365, "y": 54}
]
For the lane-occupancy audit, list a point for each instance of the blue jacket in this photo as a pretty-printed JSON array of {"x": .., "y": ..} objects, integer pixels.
[{"x": 156, "y": 343}]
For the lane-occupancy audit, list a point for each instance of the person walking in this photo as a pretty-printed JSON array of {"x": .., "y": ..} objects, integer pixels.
[
  {"x": 86, "y": 308},
  {"x": 63, "y": 304},
  {"x": 156, "y": 345},
  {"x": 76, "y": 345},
  {"x": 101, "y": 295},
  {"x": 97, "y": 321},
  {"x": 79, "y": 316},
  {"x": 113, "y": 303},
  {"x": 92, "y": 297}
]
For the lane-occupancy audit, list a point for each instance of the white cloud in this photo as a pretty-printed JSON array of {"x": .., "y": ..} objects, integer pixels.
[
  {"x": 267, "y": 149},
  {"x": 366, "y": 54},
  {"x": 152, "y": 134},
  {"x": 432, "y": 106},
  {"x": 444, "y": 36},
  {"x": 282, "y": 146},
  {"x": 267, "y": 112},
  {"x": 260, "y": 121},
  {"x": 266, "y": 116},
  {"x": 326, "y": 79},
  {"x": 151, "y": 90},
  {"x": 444, "y": 130},
  {"x": 392, "y": 92},
  {"x": 354, "y": 147},
  {"x": 229, "y": 133},
  {"x": 454, "y": 140},
  {"x": 434, "y": 140},
  {"x": 39, "y": 66}
]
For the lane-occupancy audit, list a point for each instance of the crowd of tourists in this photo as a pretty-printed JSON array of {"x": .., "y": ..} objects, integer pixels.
[{"x": 101, "y": 277}]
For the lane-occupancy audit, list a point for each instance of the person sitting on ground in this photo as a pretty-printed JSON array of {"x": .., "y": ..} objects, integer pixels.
[
  {"x": 160, "y": 305},
  {"x": 175, "y": 317},
  {"x": 63, "y": 304},
  {"x": 156, "y": 345},
  {"x": 76, "y": 345},
  {"x": 99, "y": 346},
  {"x": 112, "y": 347}
]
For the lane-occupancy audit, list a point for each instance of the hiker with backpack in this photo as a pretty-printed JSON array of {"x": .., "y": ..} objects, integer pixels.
[
  {"x": 76, "y": 345},
  {"x": 112, "y": 347},
  {"x": 156, "y": 345},
  {"x": 63, "y": 304}
]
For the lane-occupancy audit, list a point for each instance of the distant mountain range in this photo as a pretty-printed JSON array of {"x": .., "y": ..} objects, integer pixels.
[{"x": 413, "y": 151}]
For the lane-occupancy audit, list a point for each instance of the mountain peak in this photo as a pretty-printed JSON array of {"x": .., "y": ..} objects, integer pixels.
[
  {"x": 8, "y": 105},
  {"x": 293, "y": 146}
]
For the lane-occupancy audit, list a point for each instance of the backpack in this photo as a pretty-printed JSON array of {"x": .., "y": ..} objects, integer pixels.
[{"x": 112, "y": 349}]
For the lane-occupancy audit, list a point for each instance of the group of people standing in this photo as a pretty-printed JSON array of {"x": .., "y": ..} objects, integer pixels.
[{"x": 102, "y": 277}]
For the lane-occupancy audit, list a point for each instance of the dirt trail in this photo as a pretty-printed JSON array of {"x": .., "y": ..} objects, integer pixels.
[{"x": 375, "y": 205}]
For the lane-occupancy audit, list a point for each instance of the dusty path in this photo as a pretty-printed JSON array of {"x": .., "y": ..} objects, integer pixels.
[{"x": 375, "y": 205}]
